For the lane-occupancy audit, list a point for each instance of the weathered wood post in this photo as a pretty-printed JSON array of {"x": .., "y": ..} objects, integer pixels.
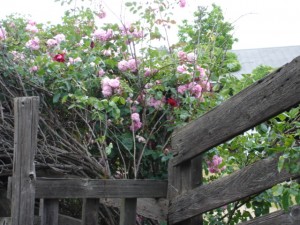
[
  {"x": 90, "y": 211},
  {"x": 183, "y": 178},
  {"x": 25, "y": 144},
  {"x": 49, "y": 211},
  {"x": 128, "y": 211}
]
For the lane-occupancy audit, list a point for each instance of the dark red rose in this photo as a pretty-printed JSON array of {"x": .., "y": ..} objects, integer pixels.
[
  {"x": 172, "y": 102},
  {"x": 59, "y": 57},
  {"x": 92, "y": 45}
]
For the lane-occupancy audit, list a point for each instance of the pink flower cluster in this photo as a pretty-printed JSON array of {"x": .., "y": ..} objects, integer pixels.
[
  {"x": 213, "y": 165},
  {"x": 194, "y": 88},
  {"x": 2, "y": 33},
  {"x": 136, "y": 122},
  {"x": 130, "y": 31},
  {"x": 31, "y": 27},
  {"x": 182, "y": 3},
  {"x": 56, "y": 40},
  {"x": 73, "y": 61},
  {"x": 101, "y": 14},
  {"x": 157, "y": 104},
  {"x": 33, "y": 44},
  {"x": 103, "y": 35},
  {"x": 109, "y": 86},
  {"x": 33, "y": 69},
  {"x": 189, "y": 57},
  {"x": 131, "y": 64}
]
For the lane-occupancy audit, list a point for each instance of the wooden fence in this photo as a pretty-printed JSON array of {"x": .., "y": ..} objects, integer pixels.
[
  {"x": 24, "y": 187},
  {"x": 268, "y": 97},
  {"x": 187, "y": 197}
]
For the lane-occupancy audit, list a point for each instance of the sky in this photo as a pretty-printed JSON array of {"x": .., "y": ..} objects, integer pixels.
[{"x": 258, "y": 23}]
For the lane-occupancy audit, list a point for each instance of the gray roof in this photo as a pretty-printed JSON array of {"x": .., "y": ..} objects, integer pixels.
[{"x": 274, "y": 57}]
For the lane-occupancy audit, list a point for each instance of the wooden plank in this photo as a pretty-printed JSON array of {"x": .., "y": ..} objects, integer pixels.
[
  {"x": 90, "y": 211},
  {"x": 128, "y": 211},
  {"x": 292, "y": 217},
  {"x": 62, "y": 220},
  {"x": 90, "y": 188},
  {"x": 183, "y": 178},
  {"x": 4, "y": 204},
  {"x": 156, "y": 209},
  {"x": 25, "y": 144},
  {"x": 246, "y": 182},
  {"x": 266, "y": 98},
  {"x": 49, "y": 211}
]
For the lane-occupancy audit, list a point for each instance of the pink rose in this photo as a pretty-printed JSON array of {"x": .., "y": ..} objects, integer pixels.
[
  {"x": 123, "y": 65},
  {"x": 213, "y": 165},
  {"x": 101, "y": 72},
  {"x": 182, "y": 3},
  {"x": 33, "y": 44},
  {"x": 182, "y": 55},
  {"x": 191, "y": 57},
  {"x": 107, "y": 91},
  {"x": 33, "y": 69},
  {"x": 132, "y": 65},
  {"x": 135, "y": 117},
  {"x": 195, "y": 89},
  {"x": 181, "y": 69},
  {"x": 101, "y": 14},
  {"x": 202, "y": 71},
  {"x": 103, "y": 35},
  {"x": 182, "y": 88},
  {"x": 31, "y": 28},
  {"x": 51, "y": 42},
  {"x": 60, "y": 38},
  {"x": 114, "y": 83}
]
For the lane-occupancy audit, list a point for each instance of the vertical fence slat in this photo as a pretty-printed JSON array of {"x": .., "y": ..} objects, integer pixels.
[
  {"x": 90, "y": 210},
  {"x": 128, "y": 211},
  {"x": 184, "y": 178},
  {"x": 25, "y": 144},
  {"x": 49, "y": 211}
]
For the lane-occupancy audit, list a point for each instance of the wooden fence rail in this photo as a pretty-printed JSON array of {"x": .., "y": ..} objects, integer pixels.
[
  {"x": 251, "y": 180},
  {"x": 264, "y": 99},
  {"x": 277, "y": 92}
]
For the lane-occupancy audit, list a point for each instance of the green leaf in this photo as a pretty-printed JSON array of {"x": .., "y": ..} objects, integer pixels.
[
  {"x": 277, "y": 190},
  {"x": 286, "y": 200},
  {"x": 56, "y": 97},
  {"x": 280, "y": 163},
  {"x": 109, "y": 148}
]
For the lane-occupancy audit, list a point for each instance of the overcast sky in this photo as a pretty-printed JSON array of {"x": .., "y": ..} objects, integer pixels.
[{"x": 258, "y": 23}]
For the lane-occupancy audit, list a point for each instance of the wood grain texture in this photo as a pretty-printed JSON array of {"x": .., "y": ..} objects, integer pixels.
[
  {"x": 128, "y": 211},
  {"x": 184, "y": 178},
  {"x": 89, "y": 188},
  {"x": 49, "y": 211},
  {"x": 62, "y": 220},
  {"x": 156, "y": 209},
  {"x": 292, "y": 217},
  {"x": 277, "y": 92},
  {"x": 25, "y": 145},
  {"x": 241, "y": 184},
  {"x": 90, "y": 210}
]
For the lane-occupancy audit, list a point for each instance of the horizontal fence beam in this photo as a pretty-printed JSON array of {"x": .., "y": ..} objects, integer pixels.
[
  {"x": 266, "y": 98},
  {"x": 89, "y": 188},
  {"x": 248, "y": 181},
  {"x": 156, "y": 209},
  {"x": 62, "y": 220},
  {"x": 291, "y": 217}
]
